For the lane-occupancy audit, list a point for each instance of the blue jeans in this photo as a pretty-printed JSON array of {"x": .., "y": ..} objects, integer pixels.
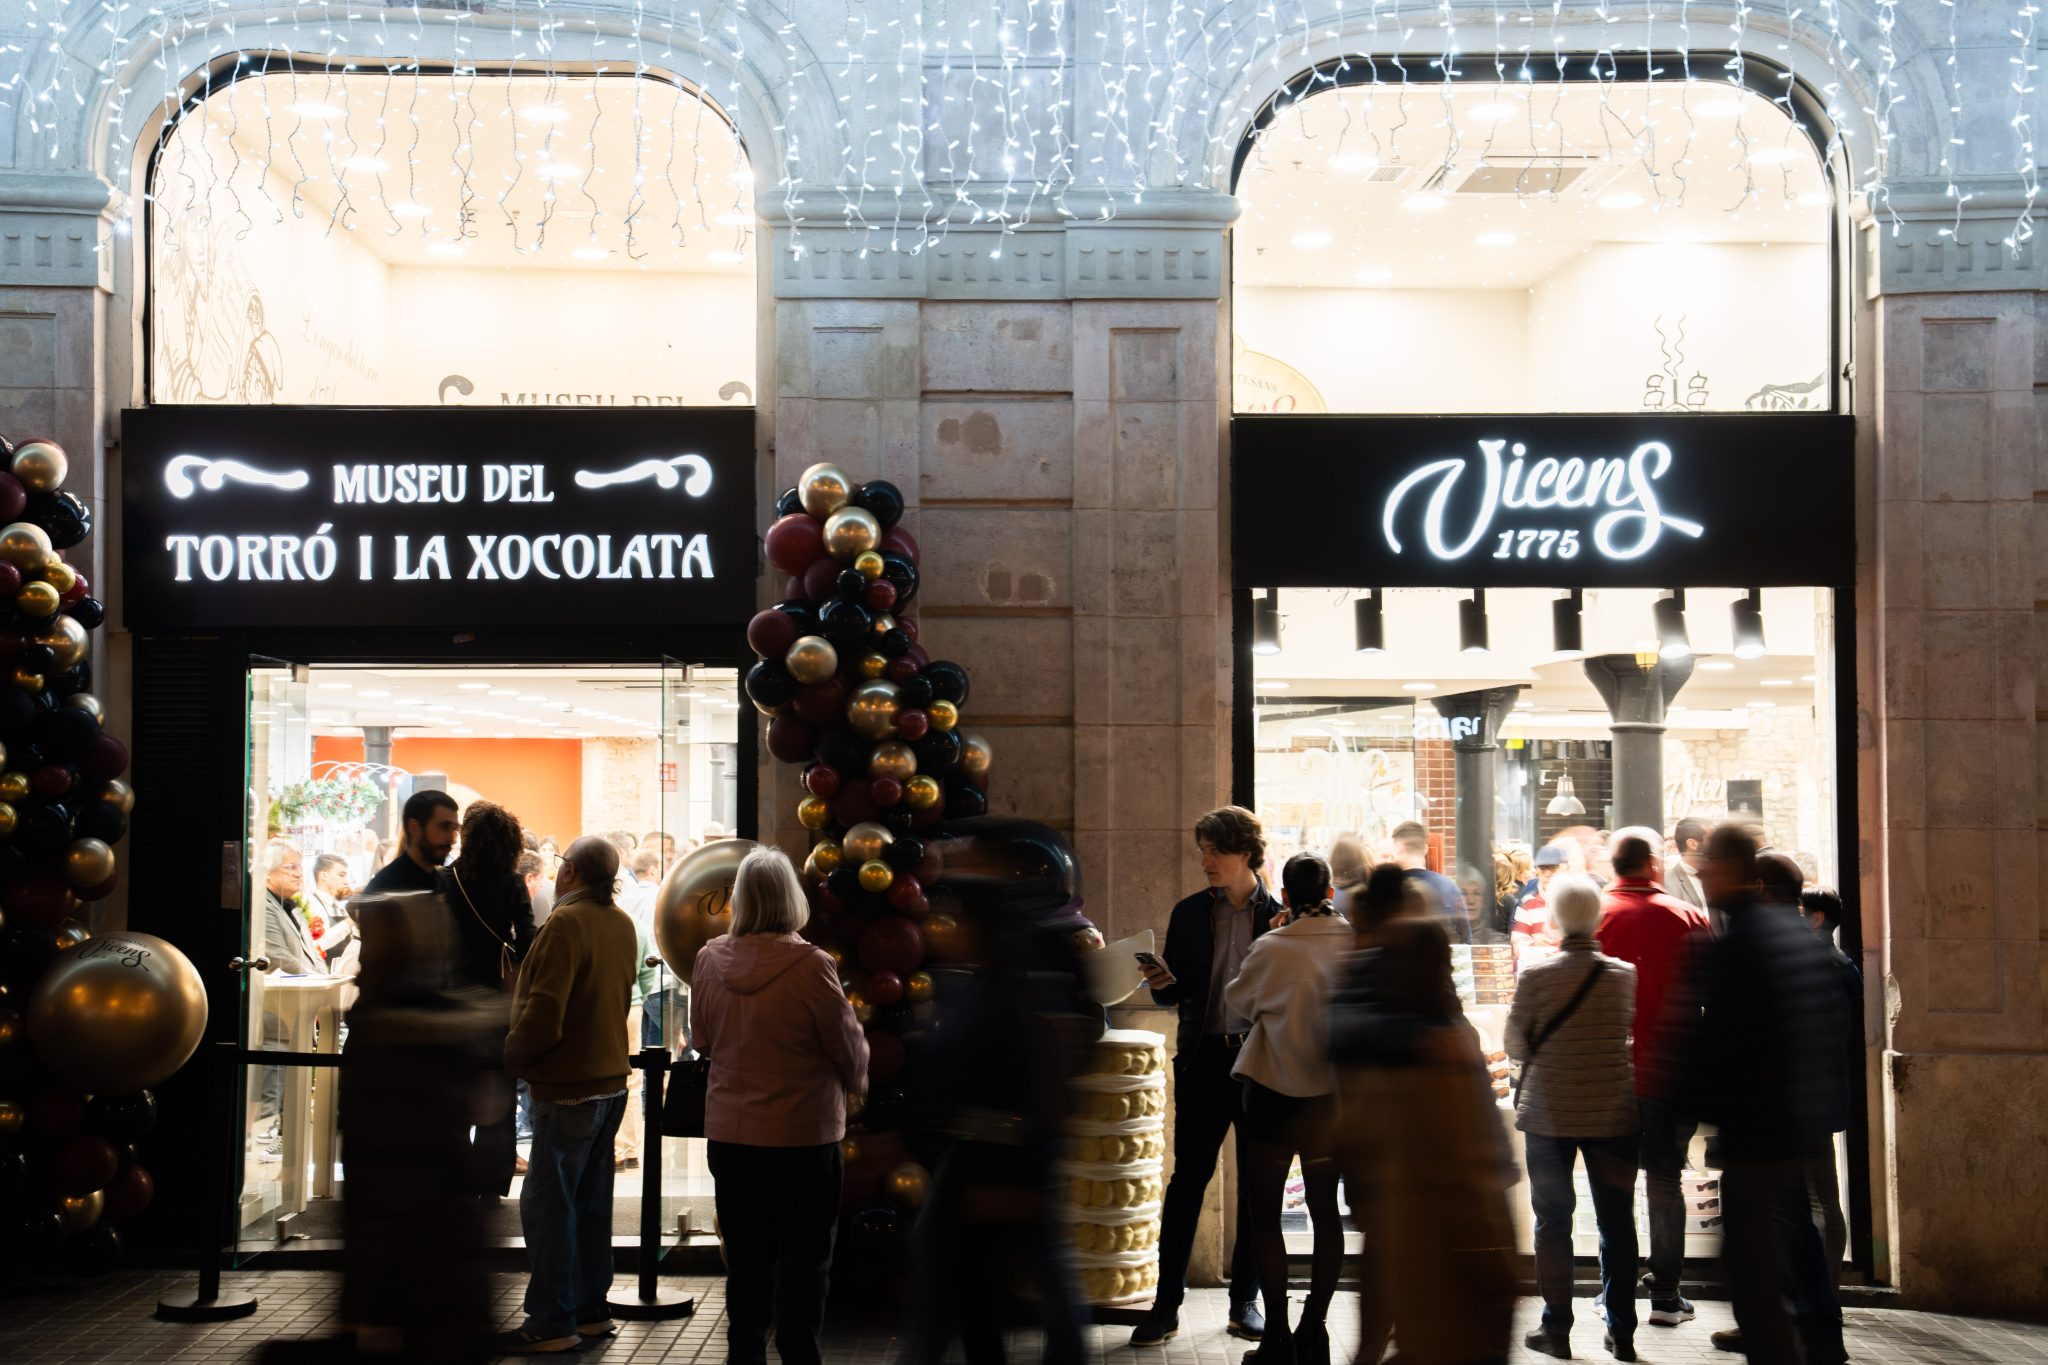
[
  {"x": 565, "y": 1210},
  {"x": 1666, "y": 1135},
  {"x": 1611, "y": 1171}
]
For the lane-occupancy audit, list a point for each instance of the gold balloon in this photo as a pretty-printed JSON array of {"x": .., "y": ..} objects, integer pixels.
[
  {"x": 10, "y": 1027},
  {"x": 873, "y": 665},
  {"x": 909, "y": 1183},
  {"x": 944, "y": 714},
  {"x": 862, "y": 1010},
  {"x": 38, "y": 599},
  {"x": 9, "y": 817},
  {"x": 884, "y": 623},
  {"x": 850, "y": 533},
  {"x": 855, "y": 1102},
  {"x": 942, "y": 936},
  {"x": 975, "y": 755},
  {"x": 27, "y": 681},
  {"x": 12, "y": 1118},
  {"x": 118, "y": 1013},
  {"x": 72, "y": 934},
  {"x": 814, "y": 812},
  {"x": 81, "y": 1211},
  {"x": 41, "y": 466},
  {"x": 849, "y": 1150},
  {"x": 865, "y": 841},
  {"x": 77, "y": 701},
  {"x": 24, "y": 545},
  {"x": 59, "y": 575},
  {"x": 917, "y": 987},
  {"x": 811, "y": 659},
  {"x": 875, "y": 877},
  {"x": 921, "y": 792},
  {"x": 872, "y": 709},
  {"x": 66, "y": 639},
  {"x": 869, "y": 563},
  {"x": 825, "y": 859},
  {"x": 117, "y": 793},
  {"x": 13, "y": 786},
  {"x": 824, "y": 489},
  {"x": 893, "y": 758},
  {"x": 694, "y": 904},
  {"x": 88, "y": 862}
]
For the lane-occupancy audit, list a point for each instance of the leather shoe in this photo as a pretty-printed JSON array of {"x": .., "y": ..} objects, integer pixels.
[
  {"x": 1247, "y": 1321},
  {"x": 1543, "y": 1343},
  {"x": 1156, "y": 1328},
  {"x": 1624, "y": 1349}
]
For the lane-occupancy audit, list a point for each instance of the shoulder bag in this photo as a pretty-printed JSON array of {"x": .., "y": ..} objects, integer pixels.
[
  {"x": 508, "y": 967},
  {"x": 1570, "y": 1007},
  {"x": 682, "y": 1104}
]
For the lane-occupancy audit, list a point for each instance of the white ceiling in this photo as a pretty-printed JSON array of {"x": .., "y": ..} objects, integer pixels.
[
  {"x": 514, "y": 703},
  {"x": 1674, "y": 162},
  {"x": 485, "y": 172}
]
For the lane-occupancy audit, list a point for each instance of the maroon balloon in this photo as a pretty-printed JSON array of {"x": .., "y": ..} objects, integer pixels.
[
  {"x": 99, "y": 892},
  {"x": 56, "y": 1114},
  {"x": 896, "y": 540},
  {"x": 792, "y": 588},
  {"x": 794, "y": 543},
  {"x": 86, "y": 1162},
  {"x": 908, "y": 625},
  {"x": 933, "y": 865},
  {"x": 822, "y": 704},
  {"x": 827, "y": 904},
  {"x": 885, "y": 1056},
  {"x": 128, "y": 1195},
  {"x": 919, "y": 659},
  {"x": 13, "y": 497},
  {"x": 791, "y": 739},
  {"x": 906, "y": 893},
  {"x": 855, "y": 802},
  {"x": 80, "y": 589},
  {"x": 884, "y": 989},
  {"x": 41, "y": 898},
  {"x": 887, "y": 791},
  {"x": 51, "y": 781},
  {"x": 912, "y": 724},
  {"x": 821, "y": 580},
  {"x": 901, "y": 669},
  {"x": 929, "y": 816},
  {"x": 880, "y": 595},
  {"x": 821, "y": 779},
  {"x": 10, "y": 581},
  {"x": 847, "y": 926},
  {"x": 771, "y": 633},
  {"x": 106, "y": 760}
]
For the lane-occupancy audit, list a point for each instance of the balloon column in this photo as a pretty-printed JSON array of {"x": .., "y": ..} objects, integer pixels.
[
  {"x": 69, "y": 1119},
  {"x": 875, "y": 723}
]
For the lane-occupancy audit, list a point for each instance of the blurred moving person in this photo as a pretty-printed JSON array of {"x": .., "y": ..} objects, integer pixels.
[
  {"x": 1410, "y": 841},
  {"x": 428, "y": 825},
  {"x": 1682, "y": 867},
  {"x": 1533, "y": 930},
  {"x": 1821, "y": 908},
  {"x": 568, "y": 1043},
  {"x": 1290, "y": 1087},
  {"x": 1207, "y": 940},
  {"x": 1569, "y": 1029},
  {"x": 767, "y": 1009},
  {"x": 493, "y": 933},
  {"x": 1651, "y": 931}
]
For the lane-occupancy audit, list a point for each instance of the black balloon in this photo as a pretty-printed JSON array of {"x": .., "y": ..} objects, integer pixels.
[
  {"x": 841, "y": 749},
  {"x": 844, "y": 883},
  {"x": 17, "y": 714},
  {"x": 964, "y": 801},
  {"x": 949, "y": 681},
  {"x": 893, "y": 643},
  {"x": 845, "y": 623},
  {"x": 882, "y": 498},
  {"x": 88, "y": 612},
  {"x": 102, "y": 820},
  {"x": 879, "y": 1224},
  {"x": 128, "y": 1156},
  {"x": 38, "y": 658},
  {"x": 902, "y": 574},
  {"x": 938, "y": 753},
  {"x": 13, "y": 1178},
  {"x": 803, "y": 613},
  {"x": 915, "y": 693},
  {"x": 853, "y": 584},
  {"x": 886, "y": 1109},
  {"x": 44, "y": 828},
  {"x": 64, "y": 733},
  {"x": 792, "y": 500},
  {"x": 95, "y": 1251},
  {"x": 13, "y": 863},
  {"x": 63, "y": 516},
  {"x": 897, "y": 1018},
  {"x": 121, "y": 1118},
  {"x": 905, "y": 855},
  {"x": 770, "y": 685},
  {"x": 899, "y": 820}
]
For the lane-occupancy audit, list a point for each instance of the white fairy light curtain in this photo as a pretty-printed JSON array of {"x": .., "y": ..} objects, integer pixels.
[{"x": 898, "y": 121}]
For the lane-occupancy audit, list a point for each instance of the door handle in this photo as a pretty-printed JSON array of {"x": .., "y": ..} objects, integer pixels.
[{"x": 239, "y": 964}]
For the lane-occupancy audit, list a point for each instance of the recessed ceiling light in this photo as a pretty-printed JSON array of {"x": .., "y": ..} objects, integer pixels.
[
  {"x": 1621, "y": 200},
  {"x": 557, "y": 170},
  {"x": 1777, "y": 682},
  {"x": 1771, "y": 156},
  {"x": 471, "y": 687},
  {"x": 365, "y": 163},
  {"x": 408, "y": 701},
  {"x": 1718, "y": 108},
  {"x": 1311, "y": 239},
  {"x": 1373, "y": 275},
  {"x": 1714, "y": 666},
  {"x": 314, "y": 109},
  {"x": 501, "y": 734},
  {"x": 544, "y": 113},
  {"x": 460, "y": 730},
  {"x": 1359, "y": 163},
  {"x": 1417, "y": 686},
  {"x": 1809, "y": 677},
  {"x": 1495, "y": 239},
  {"x": 504, "y": 691},
  {"x": 1271, "y": 685},
  {"x": 408, "y": 209},
  {"x": 725, "y": 258},
  {"x": 590, "y": 253},
  {"x": 445, "y": 248},
  {"x": 1423, "y": 203},
  {"x": 1761, "y": 705}
]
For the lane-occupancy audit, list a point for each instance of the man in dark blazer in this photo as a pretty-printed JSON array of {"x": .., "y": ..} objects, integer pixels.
[{"x": 1206, "y": 942}]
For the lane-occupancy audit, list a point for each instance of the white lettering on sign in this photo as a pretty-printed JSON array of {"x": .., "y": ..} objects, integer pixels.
[
  {"x": 178, "y": 472},
  {"x": 1626, "y": 488},
  {"x": 1445, "y": 727}
]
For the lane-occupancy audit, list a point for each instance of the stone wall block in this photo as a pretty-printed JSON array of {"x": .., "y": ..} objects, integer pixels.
[
  {"x": 1146, "y": 564},
  {"x": 1094, "y": 452},
  {"x": 1195, "y": 351},
  {"x": 1144, "y": 773},
  {"x": 1905, "y": 775},
  {"x": 1092, "y": 672},
  {"x": 1956, "y": 448},
  {"x": 1201, "y": 658},
  {"x": 1145, "y": 454},
  {"x": 1202, "y": 786},
  {"x": 1905, "y": 664},
  {"x": 1958, "y": 571},
  {"x": 2013, "y": 689},
  {"x": 1201, "y": 563},
  {"x": 1961, "y": 765},
  {"x": 2016, "y": 435},
  {"x": 1146, "y": 878},
  {"x": 988, "y": 449},
  {"x": 2014, "y": 776},
  {"x": 1032, "y": 775},
  {"x": 2017, "y": 908},
  {"x": 1965, "y": 976},
  {"x": 1963, "y": 884},
  {"x": 29, "y": 348},
  {"x": 1906, "y": 881},
  {"x": 1144, "y": 364},
  {"x": 2012, "y": 555},
  {"x": 1896, "y": 457},
  {"x": 1202, "y": 424},
  {"x": 1901, "y": 555},
  {"x": 1021, "y": 666},
  {"x": 1956, "y": 354},
  {"x": 998, "y": 347},
  {"x": 1095, "y": 559},
  {"x": 1144, "y": 667},
  {"x": 846, "y": 348},
  {"x": 1092, "y": 808},
  {"x": 995, "y": 557},
  {"x": 1965, "y": 644}
]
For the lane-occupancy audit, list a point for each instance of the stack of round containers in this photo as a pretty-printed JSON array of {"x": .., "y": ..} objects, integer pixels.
[{"x": 1119, "y": 1139}]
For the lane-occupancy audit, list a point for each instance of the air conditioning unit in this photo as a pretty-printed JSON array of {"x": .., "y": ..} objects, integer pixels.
[{"x": 1525, "y": 174}]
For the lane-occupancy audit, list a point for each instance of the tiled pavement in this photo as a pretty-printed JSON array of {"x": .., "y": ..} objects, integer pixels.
[{"x": 110, "y": 1321}]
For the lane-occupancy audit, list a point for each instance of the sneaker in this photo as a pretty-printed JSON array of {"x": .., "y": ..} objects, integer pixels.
[
  {"x": 1156, "y": 1328},
  {"x": 1247, "y": 1321},
  {"x": 599, "y": 1327},
  {"x": 521, "y": 1342},
  {"x": 1624, "y": 1349},
  {"x": 1543, "y": 1342},
  {"x": 1729, "y": 1340},
  {"x": 1672, "y": 1311}
]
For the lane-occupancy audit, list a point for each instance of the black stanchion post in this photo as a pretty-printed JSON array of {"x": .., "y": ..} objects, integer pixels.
[
  {"x": 650, "y": 1300},
  {"x": 207, "y": 1303}
]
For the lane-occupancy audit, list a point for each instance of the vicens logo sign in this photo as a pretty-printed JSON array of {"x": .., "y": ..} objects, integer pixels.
[{"x": 1619, "y": 494}]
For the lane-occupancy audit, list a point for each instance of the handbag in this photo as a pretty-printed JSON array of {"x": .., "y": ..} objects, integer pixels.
[
  {"x": 682, "y": 1102},
  {"x": 508, "y": 965},
  {"x": 1535, "y": 1044}
]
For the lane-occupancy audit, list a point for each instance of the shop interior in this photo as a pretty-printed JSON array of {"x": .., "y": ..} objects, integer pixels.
[{"x": 648, "y": 753}]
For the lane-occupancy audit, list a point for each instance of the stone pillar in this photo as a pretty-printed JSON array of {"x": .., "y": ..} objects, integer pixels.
[
  {"x": 1477, "y": 747},
  {"x": 1636, "y": 698},
  {"x": 377, "y": 754}
]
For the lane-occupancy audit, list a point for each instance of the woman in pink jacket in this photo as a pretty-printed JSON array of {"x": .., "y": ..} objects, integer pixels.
[{"x": 767, "y": 1009}]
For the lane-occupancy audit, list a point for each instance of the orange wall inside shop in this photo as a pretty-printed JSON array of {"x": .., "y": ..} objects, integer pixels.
[{"x": 538, "y": 780}]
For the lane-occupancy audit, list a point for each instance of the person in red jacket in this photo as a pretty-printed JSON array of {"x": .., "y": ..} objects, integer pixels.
[{"x": 1643, "y": 926}]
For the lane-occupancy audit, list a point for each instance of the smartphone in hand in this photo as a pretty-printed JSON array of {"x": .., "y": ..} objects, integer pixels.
[{"x": 1156, "y": 974}]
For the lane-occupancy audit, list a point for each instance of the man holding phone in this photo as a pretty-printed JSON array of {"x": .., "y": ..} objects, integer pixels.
[{"x": 1207, "y": 940}]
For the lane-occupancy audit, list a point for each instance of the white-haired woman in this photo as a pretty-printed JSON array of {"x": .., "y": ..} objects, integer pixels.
[
  {"x": 1569, "y": 1028},
  {"x": 767, "y": 1009}
]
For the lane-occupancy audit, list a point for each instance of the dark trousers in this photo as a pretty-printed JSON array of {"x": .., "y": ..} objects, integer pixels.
[
  {"x": 1611, "y": 1171},
  {"x": 1666, "y": 1135},
  {"x": 495, "y": 1146},
  {"x": 1208, "y": 1104},
  {"x": 778, "y": 1210},
  {"x": 1772, "y": 1248},
  {"x": 565, "y": 1210}
]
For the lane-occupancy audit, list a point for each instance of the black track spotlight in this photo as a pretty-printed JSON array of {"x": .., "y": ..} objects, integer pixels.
[
  {"x": 1748, "y": 613},
  {"x": 1568, "y": 623},
  {"x": 1672, "y": 641},
  {"x": 1369, "y": 622},
  {"x": 1266, "y": 623},
  {"x": 1472, "y": 636}
]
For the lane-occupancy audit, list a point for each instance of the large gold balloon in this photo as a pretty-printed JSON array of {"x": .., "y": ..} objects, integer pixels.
[
  {"x": 875, "y": 877},
  {"x": 72, "y": 933},
  {"x": 117, "y": 1014},
  {"x": 942, "y": 936},
  {"x": 975, "y": 755},
  {"x": 865, "y": 841},
  {"x": 917, "y": 987},
  {"x": 77, "y": 701},
  {"x": 9, "y": 818},
  {"x": 812, "y": 659},
  {"x": 116, "y": 793},
  {"x": 88, "y": 862},
  {"x": 922, "y": 792},
  {"x": 13, "y": 786},
  {"x": 12, "y": 1118},
  {"x": 850, "y": 533},
  {"x": 872, "y": 709},
  {"x": 694, "y": 904},
  {"x": 23, "y": 544},
  {"x": 41, "y": 466},
  {"x": 824, "y": 489},
  {"x": 870, "y": 564},
  {"x": 59, "y": 575},
  {"x": 81, "y": 1211},
  {"x": 825, "y": 859},
  {"x": 873, "y": 665},
  {"x": 814, "y": 812},
  {"x": 893, "y": 758},
  {"x": 27, "y": 681},
  {"x": 66, "y": 639},
  {"x": 38, "y": 599},
  {"x": 909, "y": 1183},
  {"x": 944, "y": 715}
]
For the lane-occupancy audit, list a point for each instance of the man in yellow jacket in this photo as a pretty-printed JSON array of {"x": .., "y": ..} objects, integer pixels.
[{"x": 569, "y": 1046}]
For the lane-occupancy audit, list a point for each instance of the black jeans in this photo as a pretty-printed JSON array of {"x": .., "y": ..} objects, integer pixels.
[
  {"x": 778, "y": 1209},
  {"x": 1208, "y": 1103}
]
